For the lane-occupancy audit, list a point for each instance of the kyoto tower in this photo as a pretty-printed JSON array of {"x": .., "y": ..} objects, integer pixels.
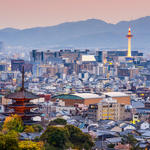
[{"x": 129, "y": 36}]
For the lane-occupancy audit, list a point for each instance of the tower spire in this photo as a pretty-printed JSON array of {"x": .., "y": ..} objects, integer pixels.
[{"x": 22, "y": 88}]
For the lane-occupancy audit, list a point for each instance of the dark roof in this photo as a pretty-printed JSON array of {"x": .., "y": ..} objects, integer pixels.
[
  {"x": 23, "y": 114},
  {"x": 22, "y": 94},
  {"x": 125, "y": 125},
  {"x": 68, "y": 96}
]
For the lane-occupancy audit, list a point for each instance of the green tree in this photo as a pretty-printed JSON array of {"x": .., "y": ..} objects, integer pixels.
[
  {"x": 9, "y": 141},
  {"x": 37, "y": 127},
  {"x": 58, "y": 121},
  {"x": 79, "y": 139},
  {"x": 13, "y": 122},
  {"x": 50, "y": 147},
  {"x": 136, "y": 147},
  {"x": 129, "y": 139},
  {"x": 37, "y": 139},
  {"x": 2, "y": 141},
  {"x": 1, "y": 126},
  {"x": 29, "y": 129},
  {"x": 59, "y": 138},
  {"x": 75, "y": 135},
  {"x": 29, "y": 145},
  {"x": 111, "y": 145},
  {"x": 56, "y": 137}
]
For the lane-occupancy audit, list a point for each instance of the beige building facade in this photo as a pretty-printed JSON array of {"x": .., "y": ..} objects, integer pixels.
[{"x": 108, "y": 108}]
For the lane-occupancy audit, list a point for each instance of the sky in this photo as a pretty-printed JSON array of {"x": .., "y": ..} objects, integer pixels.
[{"x": 34, "y": 13}]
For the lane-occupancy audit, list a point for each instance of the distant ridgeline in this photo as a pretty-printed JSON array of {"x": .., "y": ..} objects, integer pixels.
[{"x": 90, "y": 33}]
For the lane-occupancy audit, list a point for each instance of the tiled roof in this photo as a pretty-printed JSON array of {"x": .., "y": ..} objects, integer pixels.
[
  {"x": 115, "y": 94},
  {"x": 68, "y": 96},
  {"x": 80, "y": 96},
  {"x": 22, "y": 94}
]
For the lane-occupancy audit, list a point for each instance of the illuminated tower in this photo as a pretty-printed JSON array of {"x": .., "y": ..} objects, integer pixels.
[{"x": 129, "y": 36}]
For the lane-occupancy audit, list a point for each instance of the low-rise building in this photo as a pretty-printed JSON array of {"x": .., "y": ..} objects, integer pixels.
[
  {"x": 108, "y": 108},
  {"x": 121, "y": 97},
  {"x": 144, "y": 125},
  {"x": 91, "y": 98},
  {"x": 79, "y": 98}
]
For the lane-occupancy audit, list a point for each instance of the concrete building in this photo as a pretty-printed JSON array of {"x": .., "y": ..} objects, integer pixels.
[
  {"x": 4, "y": 66},
  {"x": 121, "y": 97},
  {"x": 127, "y": 72},
  {"x": 90, "y": 98},
  {"x": 108, "y": 108},
  {"x": 1, "y": 46},
  {"x": 79, "y": 98},
  {"x": 17, "y": 64},
  {"x": 116, "y": 55}
]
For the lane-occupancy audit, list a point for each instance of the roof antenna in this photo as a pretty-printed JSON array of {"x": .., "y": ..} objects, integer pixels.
[{"x": 22, "y": 88}]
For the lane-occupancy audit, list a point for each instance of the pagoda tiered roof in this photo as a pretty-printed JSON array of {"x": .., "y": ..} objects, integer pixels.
[
  {"x": 32, "y": 114},
  {"x": 25, "y": 105},
  {"x": 21, "y": 104},
  {"x": 22, "y": 94}
]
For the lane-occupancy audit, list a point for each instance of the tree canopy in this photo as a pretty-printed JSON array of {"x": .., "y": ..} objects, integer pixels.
[
  {"x": 79, "y": 139},
  {"x": 9, "y": 137},
  {"x": 29, "y": 129},
  {"x": 9, "y": 141},
  {"x": 37, "y": 127},
  {"x": 56, "y": 137},
  {"x": 29, "y": 145},
  {"x": 13, "y": 122},
  {"x": 65, "y": 137},
  {"x": 58, "y": 121},
  {"x": 129, "y": 139}
]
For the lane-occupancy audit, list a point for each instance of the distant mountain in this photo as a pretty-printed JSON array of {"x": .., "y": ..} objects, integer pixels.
[{"x": 88, "y": 33}]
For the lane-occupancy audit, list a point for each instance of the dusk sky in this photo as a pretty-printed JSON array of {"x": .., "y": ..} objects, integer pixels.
[{"x": 32, "y": 13}]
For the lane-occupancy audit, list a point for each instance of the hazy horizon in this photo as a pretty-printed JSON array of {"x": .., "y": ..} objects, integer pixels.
[{"x": 74, "y": 22}]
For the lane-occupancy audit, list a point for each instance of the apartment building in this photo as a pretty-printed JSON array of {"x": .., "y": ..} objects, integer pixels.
[{"x": 108, "y": 108}]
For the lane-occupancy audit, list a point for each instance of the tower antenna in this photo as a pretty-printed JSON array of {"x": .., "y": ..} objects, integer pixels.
[{"x": 22, "y": 88}]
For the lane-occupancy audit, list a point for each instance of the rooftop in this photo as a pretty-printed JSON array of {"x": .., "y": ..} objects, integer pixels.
[
  {"x": 109, "y": 100},
  {"x": 78, "y": 96},
  {"x": 87, "y": 95},
  {"x": 116, "y": 94},
  {"x": 88, "y": 58},
  {"x": 22, "y": 94}
]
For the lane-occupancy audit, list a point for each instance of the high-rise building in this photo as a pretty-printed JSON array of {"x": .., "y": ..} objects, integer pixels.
[
  {"x": 4, "y": 66},
  {"x": 127, "y": 72},
  {"x": 37, "y": 57},
  {"x": 115, "y": 55},
  {"x": 1, "y": 45},
  {"x": 101, "y": 56},
  {"x": 17, "y": 64}
]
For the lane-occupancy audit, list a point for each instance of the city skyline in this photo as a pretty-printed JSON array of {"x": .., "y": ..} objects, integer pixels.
[{"x": 26, "y": 14}]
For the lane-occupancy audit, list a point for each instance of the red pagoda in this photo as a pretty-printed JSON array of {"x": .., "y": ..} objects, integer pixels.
[{"x": 21, "y": 104}]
